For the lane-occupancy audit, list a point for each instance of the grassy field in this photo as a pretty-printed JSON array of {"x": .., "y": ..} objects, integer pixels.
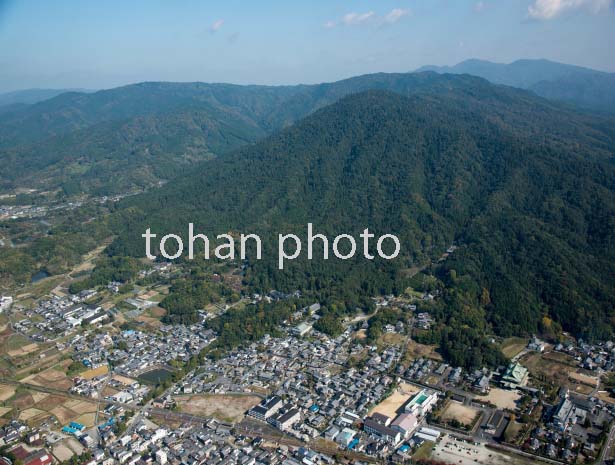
[
  {"x": 416, "y": 350},
  {"x": 512, "y": 346},
  {"x": 424, "y": 451}
]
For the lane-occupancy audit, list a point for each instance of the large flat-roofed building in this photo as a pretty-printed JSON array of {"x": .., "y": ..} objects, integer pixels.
[
  {"x": 267, "y": 408},
  {"x": 381, "y": 431},
  {"x": 405, "y": 423},
  {"x": 422, "y": 403},
  {"x": 286, "y": 420}
]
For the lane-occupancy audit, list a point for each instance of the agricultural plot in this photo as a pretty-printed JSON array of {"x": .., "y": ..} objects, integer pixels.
[
  {"x": 6, "y": 392},
  {"x": 50, "y": 377},
  {"x": 513, "y": 345},
  {"x": 94, "y": 372},
  {"x": 35, "y": 407}
]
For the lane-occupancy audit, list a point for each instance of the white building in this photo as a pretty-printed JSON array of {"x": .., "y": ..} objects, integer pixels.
[
  {"x": 422, "y": 403},
  {"x": 161, "y": 457},
  {"x": 5, "y": 303}
]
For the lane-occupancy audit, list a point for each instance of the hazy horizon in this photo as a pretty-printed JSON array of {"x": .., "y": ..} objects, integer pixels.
[{"x": 69, "y": 44}]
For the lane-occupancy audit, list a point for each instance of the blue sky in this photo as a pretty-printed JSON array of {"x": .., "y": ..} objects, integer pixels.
[{"x": 106, "y": 43}]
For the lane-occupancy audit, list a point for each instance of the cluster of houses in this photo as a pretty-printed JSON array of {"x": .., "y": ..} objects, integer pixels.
[
  {"x": 59, "y": 316},
  {"x": 135, "y": 352},
  {"x": 594, "y": 357},
  {"x": 211, "y": 443},
  {"x": 573, "y": 425},
  {"x": 23, "y": 444}
]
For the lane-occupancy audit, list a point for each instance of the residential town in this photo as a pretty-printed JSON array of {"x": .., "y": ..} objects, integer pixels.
[{"x": 299, "y": 396}]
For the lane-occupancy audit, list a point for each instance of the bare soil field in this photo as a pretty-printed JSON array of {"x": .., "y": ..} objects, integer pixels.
[
  {"x": 5, "y": 410},
  {"x": 584, "y": 379},
  {"x": 605, "y": 396},
  {"x": 124, "y": 380},
  {"x": 48, "y": 402},
  {"x": 63, "y": 414},
  {"x": 39, "y": 396},
  {"x": 86, "y": 419},
  {"x": 50, "y": 377},
  {"x": 395, "y": 401},
  {"x": 502, "y": 398},
  {"x": 464, "y": 414},
  {"x": 225, "y": 407},
  {"x": 62, "y": 452},
  {"x": 75, "y": 446},
  {"x": 23, "y": 350},
  {"x": 80, "y": 406},
  {"x": 30, "y": 413},
  {"x": 93, "y": 373},
  {"x": 6, "y": 392},
  {"x": 450, "y": 451}
]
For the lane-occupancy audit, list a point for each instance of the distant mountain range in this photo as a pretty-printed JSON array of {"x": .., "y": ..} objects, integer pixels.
[
  {"x": 580, "y": 86},
  {"x": 114, "y": 140},
  {"x": 30, "y": 96}
]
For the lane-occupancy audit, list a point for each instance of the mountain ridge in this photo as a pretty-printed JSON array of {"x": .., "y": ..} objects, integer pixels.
[
  {"x": 535, "y": 225},
  {"x": 585, "y": 87}
]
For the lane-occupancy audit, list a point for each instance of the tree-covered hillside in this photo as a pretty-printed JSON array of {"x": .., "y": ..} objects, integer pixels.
[
  {"x": 525, "y": 188},
  {"x": 130, "y": 137}
]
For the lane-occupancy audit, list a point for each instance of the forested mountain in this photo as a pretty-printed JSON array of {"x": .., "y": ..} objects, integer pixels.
[
  {"x": 113, "y": 140},
  {"x": 118, "y": 156},
  {"x": 134, "y": 136},
  {"x": 574, "y": 84},
  {"x": 526, "y": 188}
]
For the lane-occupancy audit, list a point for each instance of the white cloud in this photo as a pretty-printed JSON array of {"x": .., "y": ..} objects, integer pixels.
[
  {"x": 396, "y": 14},
  {"x": 353, "y": 18},
  {"x": 216, "y": 25},
  {"x": 549, "y": 9}
]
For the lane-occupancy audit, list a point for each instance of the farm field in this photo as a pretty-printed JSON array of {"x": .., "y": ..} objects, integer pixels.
[
  {"x": 94, "y": 372},
  {"x": 225, "y": 407},
  {"x": 416, "y": 350},
  {"x": 50, "y": 377},
  {"x": 6, "y": 392},
  {"x": 35, "y": 407}
]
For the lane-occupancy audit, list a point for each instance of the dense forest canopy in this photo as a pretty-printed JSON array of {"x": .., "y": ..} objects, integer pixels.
[
  {"x": 117, "y": 140},
  {"x": 525, "y": 188}
]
